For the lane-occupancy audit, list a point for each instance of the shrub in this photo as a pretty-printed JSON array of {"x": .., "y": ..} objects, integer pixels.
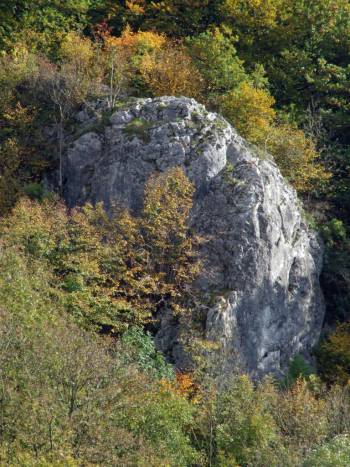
[
  {"x": 246, "y": 433},
  {"x": 297, "y": 157},
  {"x": 335, "y": 453},
  {"x": 298, "y": 368},
  {"x": 141, "y": 349},
  {"x": 67, "y": 399},
  {"x": 301, "y": 417},
  {"x": 334, "y": 355},
  {"x": 170, "y": 71},
  {"x": 250, "y": 110}
]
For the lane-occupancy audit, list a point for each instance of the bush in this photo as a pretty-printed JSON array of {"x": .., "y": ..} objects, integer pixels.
[
  {"x": 111, "y": 272},
  {"x": 334, "y": 355},
  {"x": 170, "y": 72},
  {"x": 66, "y": 397},
  {"x": 141, "y": 349},
  {"x": 250, "y": 110},
  {"x": 298, "y": 368},
  {"x": 246, "y": 433},
  {"x": 301, "y": 417},
  {"x": 335, "y": 453}
]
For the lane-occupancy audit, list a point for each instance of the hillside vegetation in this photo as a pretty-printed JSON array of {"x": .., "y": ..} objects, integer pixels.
[{"x": 81, "y": 382}]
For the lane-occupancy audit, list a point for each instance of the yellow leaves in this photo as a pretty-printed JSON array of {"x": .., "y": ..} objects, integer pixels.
[
  {"x": 10, "y": 156},
  {"x": 75, "y": 47},
  {"x": 171, "y": 247},
  {"x": 165, "y": 67},
  {"x": 168, "y": 201},
  {"x": 32, "y": 227},
  {"x": 301, "y": 416},
  {"x": 136, "y": 7},
  {"x": 10, "y": 160},
  {"x": 113, "y": 271},
  {"x": 134, "y": 40},
  {"x": 252, "y": 13},
  {"x": 170, "y": 71},
  {"x": 22, "y": 61},
  {"x": 250, "y": 110},
  {"x": 167, "y": 205},
  {"x": 340, "y": 340},
  {"x": 297, "y": 157},
  {"x": 18, "y": 115},
  {"x": 122, "y": 56},
  {"x": 80, "y": 67},
  {"x": 334, "y": 355}
]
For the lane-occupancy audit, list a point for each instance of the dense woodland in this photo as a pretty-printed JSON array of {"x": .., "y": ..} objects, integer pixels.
[{"x": 81, "y": 383}]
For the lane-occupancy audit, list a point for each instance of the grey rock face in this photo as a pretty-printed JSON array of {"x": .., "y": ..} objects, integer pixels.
[{"x": 262, "y": 263}]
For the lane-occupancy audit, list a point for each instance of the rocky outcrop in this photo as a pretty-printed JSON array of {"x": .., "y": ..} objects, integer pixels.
[{"x": 262, "y": 263}]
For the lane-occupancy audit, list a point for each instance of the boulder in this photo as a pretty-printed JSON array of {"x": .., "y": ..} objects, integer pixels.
[{"x": 261, "y": 261}]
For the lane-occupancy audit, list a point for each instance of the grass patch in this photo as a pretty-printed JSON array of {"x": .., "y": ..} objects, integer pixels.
[{"x": 139, "y": 128}]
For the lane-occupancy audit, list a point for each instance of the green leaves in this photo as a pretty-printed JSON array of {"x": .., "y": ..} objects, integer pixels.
[
  {"x": 111, "y": 272},
  {"x": 142, "y": 351},
  {"x": 215, "y": 56}
]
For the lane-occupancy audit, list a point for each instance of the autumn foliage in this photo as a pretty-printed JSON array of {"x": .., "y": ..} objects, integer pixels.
[
  {"x": 334, "y": 355},
  {"x": 113, "y": 272},
  {"x": 278, "y": 70},
  {"x": 170, "y": 71}
]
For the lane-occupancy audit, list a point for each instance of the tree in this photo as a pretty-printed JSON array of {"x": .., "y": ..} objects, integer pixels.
[
  {"x": 301, "y": 417},
  {"x": 251, "y": 15},
  {"x": 335, "y": 453},
  {"x": 176, "y": 18},
  {"x": 69, "y": 84},
  {"x": 171, "y": 245},
  {"x": 214, "y": 54},
  {"x": 334, "y": 355},
  {"x": 16, "y": 156},
  {"x": 297, "y": 157},
  {"x": 250, "y": 110},
  {"x": 246, "y": 433},
  {"x": 170, "y": 71},
  {"x": 122, "y": 57},
  {"x": 43, "y": 23},
  {"x": 113, "y": 272},
  {"x": 67, "y": 398}
]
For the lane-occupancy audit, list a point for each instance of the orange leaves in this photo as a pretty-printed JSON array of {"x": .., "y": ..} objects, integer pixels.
[
  {"x": 136, "y": 7},
  {"x": 122, "y": 57},
  {"x": 183, "y": 386},
  {"x": 165, "y": 67},
  {"x": 186, "y": 386},
  {"x": 133, "y": 41}
]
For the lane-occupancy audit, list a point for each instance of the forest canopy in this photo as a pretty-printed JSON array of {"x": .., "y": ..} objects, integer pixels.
[{"x": 81, "y": 382}]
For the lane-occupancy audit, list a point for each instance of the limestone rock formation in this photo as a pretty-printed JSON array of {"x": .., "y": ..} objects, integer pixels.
[{"x": 262, "y": 262}]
